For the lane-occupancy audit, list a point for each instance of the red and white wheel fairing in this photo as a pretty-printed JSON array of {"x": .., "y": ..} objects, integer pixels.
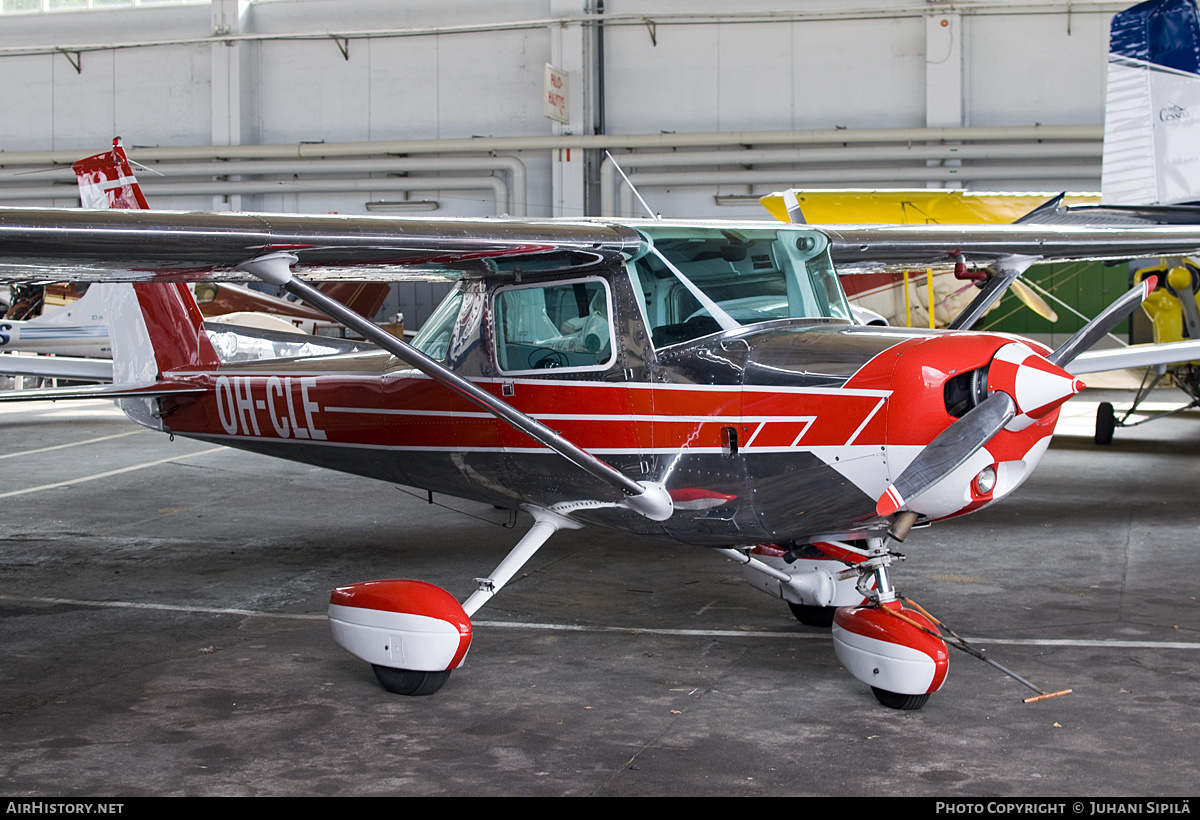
[
  {"x": 889, "y": 653},
  {"x": 400, "y": 624}
]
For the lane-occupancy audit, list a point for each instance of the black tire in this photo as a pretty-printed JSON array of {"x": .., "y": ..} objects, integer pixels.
[
  {"x": 408, "y": 682},
  {"x": 1106, "y": 423},
  {"x": 820, "y": 616},
  {"x": 895, "y": 700}
]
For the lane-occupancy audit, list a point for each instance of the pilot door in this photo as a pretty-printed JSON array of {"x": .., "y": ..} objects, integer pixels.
[{"x": 562, "y": 353}]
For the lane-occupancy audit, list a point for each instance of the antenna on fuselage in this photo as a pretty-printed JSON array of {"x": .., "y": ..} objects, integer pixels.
[{"x": 632, "y": 187}]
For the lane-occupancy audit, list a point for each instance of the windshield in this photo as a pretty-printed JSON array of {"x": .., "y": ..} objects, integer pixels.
[{"x": 697, "y": 281}]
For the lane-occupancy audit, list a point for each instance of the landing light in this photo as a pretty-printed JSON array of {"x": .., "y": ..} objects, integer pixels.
[{"x": 985, "y": 482}]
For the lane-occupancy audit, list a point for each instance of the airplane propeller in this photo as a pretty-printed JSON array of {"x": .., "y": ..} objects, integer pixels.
[
  {"x": 1024, "y": 387},
  {"x": 1032, "y": 301}
]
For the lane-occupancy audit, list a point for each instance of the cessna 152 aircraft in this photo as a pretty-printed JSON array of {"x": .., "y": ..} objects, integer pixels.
[{"x": 699, "y": 382}]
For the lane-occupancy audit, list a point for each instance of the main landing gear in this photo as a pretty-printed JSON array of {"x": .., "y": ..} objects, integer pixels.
[
  {"x": 415, "y": 634},
  {"x": 1185, "y": 377}
]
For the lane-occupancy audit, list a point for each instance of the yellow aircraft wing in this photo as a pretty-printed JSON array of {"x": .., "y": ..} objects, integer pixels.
[{"x": 912, "y": 206}]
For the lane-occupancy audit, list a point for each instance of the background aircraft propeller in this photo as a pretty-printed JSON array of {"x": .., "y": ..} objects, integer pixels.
[{"x": 1032, "y": 301}]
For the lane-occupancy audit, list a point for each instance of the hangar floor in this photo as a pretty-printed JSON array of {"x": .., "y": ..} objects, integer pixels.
[{"x": 162, "y": 617}]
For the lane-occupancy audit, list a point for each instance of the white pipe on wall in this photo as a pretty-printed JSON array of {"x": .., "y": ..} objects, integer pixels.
[
  {"x": 245, "y": 187},
  {"x": 894, "y": 146}
]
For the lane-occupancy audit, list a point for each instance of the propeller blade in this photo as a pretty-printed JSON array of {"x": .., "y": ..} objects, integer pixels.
[
  {"x": 983, "y": 300},
  {"x": 1034, "y": 302},
  {"x": 1094, "y": 330},
  {"x": 1015, "y": 369},
  {"x": 949, "y": 451}
]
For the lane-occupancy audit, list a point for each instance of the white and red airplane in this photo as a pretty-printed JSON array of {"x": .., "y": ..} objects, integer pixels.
[{"x": 697, "y": 382}]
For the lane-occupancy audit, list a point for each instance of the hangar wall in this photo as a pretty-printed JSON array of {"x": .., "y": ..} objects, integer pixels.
[
  {"x": 709, "y": 103},
  {"x": 687, "y": 67}
]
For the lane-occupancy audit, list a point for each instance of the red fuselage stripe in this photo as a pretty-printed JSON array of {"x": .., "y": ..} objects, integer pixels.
[{"x": 417, "y": 413}]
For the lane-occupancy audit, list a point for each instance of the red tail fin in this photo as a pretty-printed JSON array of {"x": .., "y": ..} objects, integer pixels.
[
  {"x": 175, "y": 326},
  {"x": 106, "y": 181},
  {"x": 362, "y": 297}
]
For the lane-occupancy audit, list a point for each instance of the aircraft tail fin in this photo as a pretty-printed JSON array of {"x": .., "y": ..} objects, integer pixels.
[
  {"x": 361, "y": 297},
  {"x": 107, "y": 182},
  {"x": 1152, "y": 112},
  {"x": 155, "y": 329}
]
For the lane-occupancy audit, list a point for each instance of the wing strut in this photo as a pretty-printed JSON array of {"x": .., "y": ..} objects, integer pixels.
[
  {"x": 1010, "y": 267},
  {"x": 646, "y": 498}
]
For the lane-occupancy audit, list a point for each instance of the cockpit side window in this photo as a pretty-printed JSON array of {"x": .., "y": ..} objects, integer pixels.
[
  {"x": 555, "y": 325},
  {"x": 434, "y": 338}
]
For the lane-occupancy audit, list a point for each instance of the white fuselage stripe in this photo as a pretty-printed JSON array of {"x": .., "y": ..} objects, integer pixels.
[
  {"x": 234, "y": 441},
  {"x": 587, "y": 417},
  {"x": 233, "y": 370}
]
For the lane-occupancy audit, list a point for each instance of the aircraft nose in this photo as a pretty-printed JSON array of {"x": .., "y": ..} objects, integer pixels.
[{"x": 1036, "y": 385}]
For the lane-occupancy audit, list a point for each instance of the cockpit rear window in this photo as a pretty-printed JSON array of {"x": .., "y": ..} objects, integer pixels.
[{"x": 434, "y": 338}]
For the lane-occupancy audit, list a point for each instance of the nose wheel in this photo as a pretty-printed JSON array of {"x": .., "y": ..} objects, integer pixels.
[
  {"x": 894, "y": 700},
  {"x": 891, "y": 648},
  {"x": 887, "y": 647}
]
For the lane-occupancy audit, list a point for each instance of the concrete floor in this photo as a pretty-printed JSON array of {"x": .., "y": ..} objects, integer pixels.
[{"x": 162, "y": 615}]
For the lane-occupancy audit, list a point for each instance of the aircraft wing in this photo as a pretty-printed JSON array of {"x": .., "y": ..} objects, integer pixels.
[
  {"x": 909, "y": 206},
  {"x": 169, "y": 246},
  {"x": 75, "y": 368},
  {"x": 236, "y": 343},
  {"x": 896, "y": 248},
  {"x": 104, "y": 391},
  {"x": 1146, "y": 355}
]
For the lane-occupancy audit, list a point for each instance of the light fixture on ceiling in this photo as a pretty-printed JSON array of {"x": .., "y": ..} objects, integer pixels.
[
  {"x": 737, "y": 199},
  {"x": 403, "y": 205}
]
